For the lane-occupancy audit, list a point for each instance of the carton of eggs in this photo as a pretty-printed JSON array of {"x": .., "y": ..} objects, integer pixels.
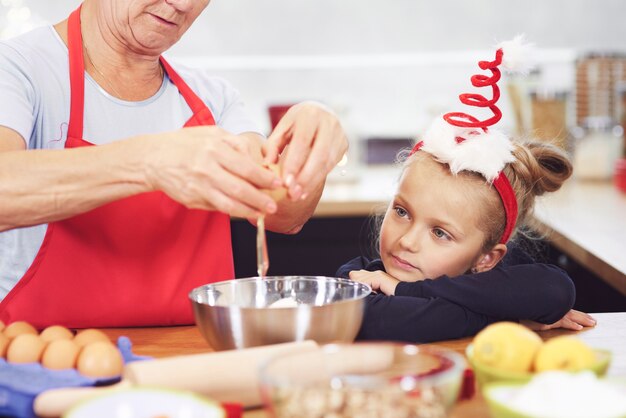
[{"x": 89, "y": 351}]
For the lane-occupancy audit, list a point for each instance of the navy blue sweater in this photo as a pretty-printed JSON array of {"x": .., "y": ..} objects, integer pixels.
[{"x": 456, "y": 307}]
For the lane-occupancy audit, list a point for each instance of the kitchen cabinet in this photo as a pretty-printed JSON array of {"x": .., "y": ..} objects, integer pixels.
[{"x": 323, "y": 245}]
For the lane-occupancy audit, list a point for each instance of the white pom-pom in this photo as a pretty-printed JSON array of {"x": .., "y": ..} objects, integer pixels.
[
  {"x": 517, "y": 54},
  {"x": 484, "y": 153}
]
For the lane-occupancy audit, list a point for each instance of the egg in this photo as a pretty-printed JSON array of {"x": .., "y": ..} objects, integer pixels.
[
  {"x": 100, "y": 359},
  {"x": 2, "y": 325},
  {"x": 90, "y": 335},
  {"x": 19, "y": 327},
  {"x": 56, "y": 332},
  {"x": 25, "y": 348},
  {"x": 288, "y": 302},
  {"x": 60, "y": 354},
  {"x": 279, "y": 193},
  {"x": 4, "y": 344}
]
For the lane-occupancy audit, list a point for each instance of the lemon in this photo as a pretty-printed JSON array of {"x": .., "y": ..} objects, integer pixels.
[
  {"x": 506, "y": 346},
  {"x": 564, "y": 353}
]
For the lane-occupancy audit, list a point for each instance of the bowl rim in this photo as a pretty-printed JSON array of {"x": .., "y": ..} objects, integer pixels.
[
  {"x": 459, "y": 364},
  {"x": 489, "y": 388},
  {"x": 158, "y": 390},
  {"x": 364, "y": 290}
]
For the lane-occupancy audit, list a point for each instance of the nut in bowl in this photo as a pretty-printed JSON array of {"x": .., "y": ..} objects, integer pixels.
[
  {"x": 363, "y": 379},
  {"x": 260, "y": 311}
]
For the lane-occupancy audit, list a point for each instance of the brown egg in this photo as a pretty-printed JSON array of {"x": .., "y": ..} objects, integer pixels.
[
  {"x": 25, "y": 348},
  {"x": 90, "y": 335},
  {"x": 60, "y": 354},
  {"x": 18, "y": 328},
  {"x": 279, "y": 193},
  {"x": 4, "y": 344},
  {"x": 2, "y": 326},
  {"x": 100, "y": 359},
  {"x": 56, "y": 332}
]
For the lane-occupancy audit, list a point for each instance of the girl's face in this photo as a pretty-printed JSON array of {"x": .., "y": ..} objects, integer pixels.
[{"x": 430, "y": 228}]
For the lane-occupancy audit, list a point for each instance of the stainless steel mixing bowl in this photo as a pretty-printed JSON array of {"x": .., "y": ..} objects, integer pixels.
[{"x": 236, "y": 313}]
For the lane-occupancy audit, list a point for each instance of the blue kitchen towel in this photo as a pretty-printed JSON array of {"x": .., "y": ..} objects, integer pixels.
[{"x": 21, "y": 383}]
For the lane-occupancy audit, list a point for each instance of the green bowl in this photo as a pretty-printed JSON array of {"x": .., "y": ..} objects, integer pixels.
[
  {"x": 487, "y": 374},
  {"x": 496, "y": 395}
]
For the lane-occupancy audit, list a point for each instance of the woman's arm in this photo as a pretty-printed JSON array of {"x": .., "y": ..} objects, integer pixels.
[
  {"x": 194, "y": 166},
  {"x": 418, "y": 320}
]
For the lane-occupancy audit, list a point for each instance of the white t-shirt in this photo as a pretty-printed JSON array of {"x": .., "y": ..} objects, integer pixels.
[{"x": 35, "y": 102}]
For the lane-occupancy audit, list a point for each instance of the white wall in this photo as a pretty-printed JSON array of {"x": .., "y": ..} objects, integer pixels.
[
  {"x": 386, "y": 66},
  {"x": 241, "y": 27}
]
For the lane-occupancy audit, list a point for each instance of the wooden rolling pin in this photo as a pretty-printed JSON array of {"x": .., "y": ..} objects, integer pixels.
[{"x": 225, "y": 376}]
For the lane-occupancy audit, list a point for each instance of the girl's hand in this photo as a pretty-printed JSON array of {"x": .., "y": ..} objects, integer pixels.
[
  {"x": 574, "y": 320},
  {"x": 377, "y": 280},
  {"x": 316, "y": 141}
]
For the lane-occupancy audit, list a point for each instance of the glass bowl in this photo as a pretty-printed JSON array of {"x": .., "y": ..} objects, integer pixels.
[{"x": 363, "y": 380}]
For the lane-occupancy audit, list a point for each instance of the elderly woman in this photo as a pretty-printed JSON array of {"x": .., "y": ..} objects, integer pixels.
[{"x": 119, "y": 170}]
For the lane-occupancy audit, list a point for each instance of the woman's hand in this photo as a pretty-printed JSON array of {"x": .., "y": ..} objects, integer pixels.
[
  {"x": 378, "y": 280},
  {"x": 316, "y": 142},
  {"x": 208, "y": 168},
  {"x": 574, "y": 320}
]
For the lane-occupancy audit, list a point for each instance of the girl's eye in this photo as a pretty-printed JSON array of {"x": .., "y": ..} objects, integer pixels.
[
  {"x": 440, "y": 233},
  {"x": 400, "y": 211}
]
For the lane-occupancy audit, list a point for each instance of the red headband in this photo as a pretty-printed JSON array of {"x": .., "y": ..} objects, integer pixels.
[{"x": 459, "y": 119}]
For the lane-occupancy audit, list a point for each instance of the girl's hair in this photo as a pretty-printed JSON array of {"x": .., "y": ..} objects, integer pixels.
[{"x": 538, "y": 168}]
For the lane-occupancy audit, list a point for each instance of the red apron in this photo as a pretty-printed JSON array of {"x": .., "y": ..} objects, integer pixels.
[{"x": 128, "y": 263}]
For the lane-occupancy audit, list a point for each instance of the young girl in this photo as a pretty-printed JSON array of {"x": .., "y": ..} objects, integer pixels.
[{"x": 463, "y": 191}]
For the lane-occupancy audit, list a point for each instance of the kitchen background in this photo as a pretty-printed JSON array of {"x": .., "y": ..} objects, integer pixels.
[{"x": 388, "y": 67}]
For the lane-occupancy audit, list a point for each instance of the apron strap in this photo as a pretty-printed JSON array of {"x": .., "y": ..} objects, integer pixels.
[
  {"x": 77, "y": 75},
  {"x": 192, "y": 99}
]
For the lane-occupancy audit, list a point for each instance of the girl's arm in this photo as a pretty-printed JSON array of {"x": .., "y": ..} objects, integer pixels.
[
  {"x": 418, "y": 320},
  {"x": 539, "y": 292}
]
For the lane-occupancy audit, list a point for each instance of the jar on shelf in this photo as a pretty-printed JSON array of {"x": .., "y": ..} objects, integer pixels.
[
  {"x": 549, "y": 114},
  {"x": 621, "y": 92},
  {"x": 597, "y": 147},
  {"x": 619, "y": 178}
]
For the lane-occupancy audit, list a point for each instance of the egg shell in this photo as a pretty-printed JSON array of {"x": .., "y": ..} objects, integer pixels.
[
  {"x": 18, "y": 328},
  {"x": 279, "y": 193},
  {"x": 4, "y": 344},
  {"x": 60, "y": 354},
  {"x": 25, "y": 348},
  {"x": 90, "y": 335},
  {"x": 56, "y": 332},
  {"x": 100, "y": 359}
]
